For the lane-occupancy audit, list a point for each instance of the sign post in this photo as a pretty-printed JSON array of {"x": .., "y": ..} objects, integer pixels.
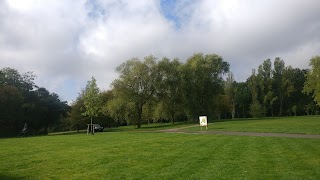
[{"x": 203, "y": 121}]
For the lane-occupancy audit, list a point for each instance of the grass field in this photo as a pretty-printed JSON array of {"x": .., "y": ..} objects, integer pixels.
[
  {"x": 298, "y": 125},
  {"x": 151, "y": 155}
]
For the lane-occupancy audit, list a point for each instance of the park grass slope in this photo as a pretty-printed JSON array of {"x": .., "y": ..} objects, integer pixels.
[{"x": 142, "y": 155}]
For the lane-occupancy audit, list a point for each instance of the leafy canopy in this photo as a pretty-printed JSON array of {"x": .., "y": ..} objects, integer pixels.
[
  {"x": 312, "y": 84},
  {"x": 91, "y": 99}
]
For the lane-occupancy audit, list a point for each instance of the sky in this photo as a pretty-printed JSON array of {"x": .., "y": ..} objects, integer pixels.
[{"x": 67, "y": 42}]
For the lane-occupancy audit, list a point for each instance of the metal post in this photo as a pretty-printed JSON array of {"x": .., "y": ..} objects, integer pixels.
[
  {"x": 88, "y": 129},
  {"x": 91, "y": 127}
]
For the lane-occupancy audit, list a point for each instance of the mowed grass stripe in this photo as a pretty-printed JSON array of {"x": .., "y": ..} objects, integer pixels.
[
  {"x": 293, "y": 125},
  {"x": 159, "y": 156}
]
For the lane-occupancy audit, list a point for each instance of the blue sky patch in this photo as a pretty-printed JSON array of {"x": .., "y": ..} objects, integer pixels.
[
  {"x": 95, "y": 10},
  {"x": 168, "y": 9}
]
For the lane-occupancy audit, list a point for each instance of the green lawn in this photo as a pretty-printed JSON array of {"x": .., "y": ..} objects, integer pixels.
[
  {"x": 130, "y": 128},
  {"x": 150, "y": 127},
  {"x": 299, "y": 125},
  {"x": 149, "y": 155}
]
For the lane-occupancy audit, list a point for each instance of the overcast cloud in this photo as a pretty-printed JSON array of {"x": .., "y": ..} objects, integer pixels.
[{"x": 66, "y": 42}]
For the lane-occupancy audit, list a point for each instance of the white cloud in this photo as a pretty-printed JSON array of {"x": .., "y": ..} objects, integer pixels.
[{"x": 66, "y": 42}]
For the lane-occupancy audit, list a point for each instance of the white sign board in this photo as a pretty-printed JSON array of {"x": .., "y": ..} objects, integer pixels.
[{"x": 203, "y": 120}]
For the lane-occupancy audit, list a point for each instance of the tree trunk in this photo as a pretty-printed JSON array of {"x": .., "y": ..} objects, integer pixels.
[
  {"x": 91, "y": 127},
  {"x": 78, "y": 128},
  {"x": 233, "y": 111},
  {"x": 139, "y": 115},
  {"x": 281, "y": 101},
  {"x": 172, "y": 117},
  {"x": 243, "y": 112},
  {"x": 46, "y": 129}
]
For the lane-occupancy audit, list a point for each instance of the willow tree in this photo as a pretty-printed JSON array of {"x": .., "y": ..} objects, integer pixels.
[
  {"x": 91, "y": 100},
  {"x": 202, "y": 83},
  {"x": 169, "y": 89},
  {"x": 136, "y": 84},
  {"x": 312, "y": 84}
]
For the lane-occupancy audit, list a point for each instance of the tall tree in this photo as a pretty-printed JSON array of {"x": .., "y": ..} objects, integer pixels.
[
  {"x": 298, "y": 98},
  {"x": 15, "y": 90},
  {"x": 136, "y": 84},
  {"x": 202, "y": 82},
  {"x": 49, "y": 109},
  {"x": 23, "y": 82},
  {"x": 119, "y": 109},
  {"x": 11, "y": 111},
  {"x": 169, "y": 87},
  {"x": 282, "y": 80},
  {"x": 312, "y": 84},
  {"x": 21, "y": 101},
  {"x": 75, "y": 116},
  {"x": 242, "y": 98},
  {"x": 105, "y": 118},
  {"x": 230, "y": 90},
  {"x": 91, "y": 100},
  {"x": 255, "y": 106},
  {"x": 264, "y": 78}
]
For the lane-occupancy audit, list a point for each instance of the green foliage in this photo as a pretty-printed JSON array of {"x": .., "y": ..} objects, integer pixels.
[
  {"x": 283, "y": 84},
  {"x": 23, "y": 82},
  {"x": 150, "y": 91},
  {"x": 312, "y": 84},
  {"x": 136, "y": 85},
  {"x": 49, "y": 109},
  {"x": 294, "y": 110},
  {"x": 264, "y": 78},
  {"x": 21, "y": 101},
  {"x": 11, "y": 111},
  {"x": 242, "y": 98},
  {"x": 119, "y": 109},
  {"x": 222, "y": 106},
  {"x": 169, "y": 89},
  {"x": 91, "y": 99},
  {"x": 256, "y": 110},
  {"x": 272, "y": 87},
  {"x": 161, "y": 112},
  {"x": 75, "y": 119},
  {"x": 230, "y": 90},
  {"x": 202, "y": 82},
  {"x": 297, "y": 97}
]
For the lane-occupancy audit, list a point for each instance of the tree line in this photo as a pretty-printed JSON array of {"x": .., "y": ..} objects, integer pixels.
[
  {"x": 22, "y": 101},
  {"x": 152, "y": 90},
  {"x": 149, "y": 90}
]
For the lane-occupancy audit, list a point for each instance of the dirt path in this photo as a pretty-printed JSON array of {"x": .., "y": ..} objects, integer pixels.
[
  {"x": 179, "y": 130},
  {"x": 176, "y": 129}
]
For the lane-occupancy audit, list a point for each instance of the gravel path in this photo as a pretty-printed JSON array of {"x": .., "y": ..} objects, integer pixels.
[{"x": 179, "y": 130}]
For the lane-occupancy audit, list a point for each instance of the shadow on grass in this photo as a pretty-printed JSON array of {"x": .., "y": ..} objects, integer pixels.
[
  {"x": 165, "y": 125},
  {"x": 67, "y": 133},
  {"x": 10, "y": 177},
  {"x": 145, "y": 127},
  {"x": 115, "y": 129},
  {"x": 243, "y": 119}
]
